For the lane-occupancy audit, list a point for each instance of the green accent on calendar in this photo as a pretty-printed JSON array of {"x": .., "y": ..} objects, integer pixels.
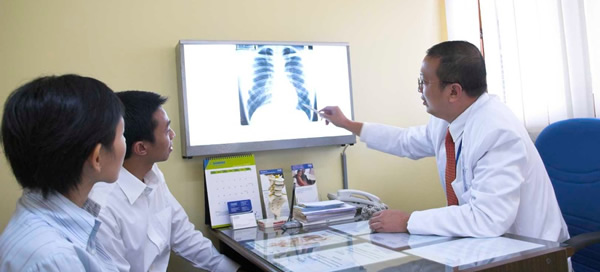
[
  {"x": 230, "y": 170},
  {"x": 232, "y": 161}
]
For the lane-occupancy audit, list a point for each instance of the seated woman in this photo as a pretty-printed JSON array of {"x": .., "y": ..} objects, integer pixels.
[{"x": 61, "y": 135}]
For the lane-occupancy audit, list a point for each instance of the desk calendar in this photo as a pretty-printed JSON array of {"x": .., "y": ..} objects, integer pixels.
[{"x": 230, "y": 179}]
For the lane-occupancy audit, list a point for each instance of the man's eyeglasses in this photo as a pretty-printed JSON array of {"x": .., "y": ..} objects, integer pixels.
[{"x": 420, "y": 83}]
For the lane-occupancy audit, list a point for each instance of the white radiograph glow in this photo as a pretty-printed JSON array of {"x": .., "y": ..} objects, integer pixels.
[{"x": 213, "y": 106}]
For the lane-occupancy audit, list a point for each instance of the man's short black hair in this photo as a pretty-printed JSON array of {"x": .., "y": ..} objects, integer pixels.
[
  {"x": 139, "y": 108},
  {"x": 460, "y": 62},
  {"x": 52, "y": 124}
]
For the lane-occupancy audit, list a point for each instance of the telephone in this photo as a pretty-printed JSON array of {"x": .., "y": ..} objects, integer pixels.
[
  {"x": 367, "y": 203},
  {"x": 355, "y": 197}
]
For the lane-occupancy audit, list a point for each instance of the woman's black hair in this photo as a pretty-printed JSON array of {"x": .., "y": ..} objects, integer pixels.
[{"x": 51, "y": 125}]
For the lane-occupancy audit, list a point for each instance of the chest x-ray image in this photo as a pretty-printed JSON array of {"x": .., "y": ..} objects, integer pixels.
[
  {"x": 274, "y": 84},
  {"x": 247, "y": 96}
]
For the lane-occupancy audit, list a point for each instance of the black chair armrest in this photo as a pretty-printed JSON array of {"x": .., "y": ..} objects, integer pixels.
[{"x": 583, "y": 240}]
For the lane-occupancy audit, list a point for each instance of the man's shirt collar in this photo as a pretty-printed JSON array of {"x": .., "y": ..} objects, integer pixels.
[
  {"x": 132, "y": 187},
  {"x": 458, "y": 125}
]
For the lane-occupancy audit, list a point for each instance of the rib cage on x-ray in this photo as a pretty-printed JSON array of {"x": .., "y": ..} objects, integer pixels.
[
  {"x": 262, "y": 82},
  {"x": 293, "y": 70},
  {"x": 261, "y": 89}
]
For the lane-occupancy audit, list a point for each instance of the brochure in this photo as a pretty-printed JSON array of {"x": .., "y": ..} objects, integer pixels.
[{"x": 306, "y": 183}]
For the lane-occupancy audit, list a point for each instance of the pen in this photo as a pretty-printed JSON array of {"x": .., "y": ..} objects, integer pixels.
[{"x": 313, "y": 110}]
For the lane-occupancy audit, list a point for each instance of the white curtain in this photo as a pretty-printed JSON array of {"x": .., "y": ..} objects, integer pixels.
[{"x": 538, "y": 54}]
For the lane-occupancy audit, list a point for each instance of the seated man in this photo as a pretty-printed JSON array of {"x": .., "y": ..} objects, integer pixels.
[{"x": 142, "y": 220}]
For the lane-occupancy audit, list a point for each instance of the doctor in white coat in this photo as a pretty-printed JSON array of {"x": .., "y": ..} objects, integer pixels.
[{"x": 498, "y": 183}]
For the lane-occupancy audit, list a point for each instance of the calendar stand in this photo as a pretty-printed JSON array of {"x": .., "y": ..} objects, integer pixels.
[{"x": 229, "y": 179}]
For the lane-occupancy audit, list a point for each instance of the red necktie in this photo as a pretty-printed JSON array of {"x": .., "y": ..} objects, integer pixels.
[{"x": 450, "y": 170}]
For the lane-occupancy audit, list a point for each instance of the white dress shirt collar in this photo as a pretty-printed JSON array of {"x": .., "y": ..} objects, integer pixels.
[
  {"x": 458, "y": 125},
  {"x": 133, "y": 188}
]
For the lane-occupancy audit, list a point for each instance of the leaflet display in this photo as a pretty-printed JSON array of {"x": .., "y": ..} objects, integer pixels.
[{"x": 306, "y": 183}]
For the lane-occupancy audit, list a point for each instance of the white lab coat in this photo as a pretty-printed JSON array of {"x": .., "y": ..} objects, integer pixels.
[{"x": 501, "y": 183}]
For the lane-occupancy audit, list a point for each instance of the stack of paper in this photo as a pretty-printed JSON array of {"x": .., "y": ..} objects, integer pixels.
[
  {"x": 320, "y": 205},
  {"x": 323, "y": 212}
]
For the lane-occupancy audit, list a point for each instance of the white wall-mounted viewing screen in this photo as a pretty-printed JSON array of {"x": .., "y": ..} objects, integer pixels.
[{"x": 253, "y": 96}]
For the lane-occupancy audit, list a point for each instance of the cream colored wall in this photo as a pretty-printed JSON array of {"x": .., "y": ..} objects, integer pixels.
[{"x": 131, "y": 45}]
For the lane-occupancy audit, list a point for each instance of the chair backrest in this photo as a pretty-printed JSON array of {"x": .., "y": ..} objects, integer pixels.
[{"x": 570, "y": 150}]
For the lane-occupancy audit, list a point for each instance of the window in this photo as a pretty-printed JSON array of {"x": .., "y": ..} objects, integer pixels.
[{"x": 537, "y": 54}]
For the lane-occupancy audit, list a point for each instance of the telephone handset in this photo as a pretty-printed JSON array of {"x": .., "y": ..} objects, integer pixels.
[
  {"x": 357, "y": 197},
  {"x": 366, "y": 202}
]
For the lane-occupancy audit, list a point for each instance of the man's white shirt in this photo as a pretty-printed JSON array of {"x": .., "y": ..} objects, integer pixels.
[{"x": 143, "y": 222}]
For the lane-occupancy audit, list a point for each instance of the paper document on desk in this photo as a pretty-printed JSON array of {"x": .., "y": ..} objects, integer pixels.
[
  {"x": 341, "y": 258},
  {"x": 470, "y": 250},
  {"x": 297, "y": 243},
  {"x": 354, "y": 228},
  {"x": 399, "y": 240}
]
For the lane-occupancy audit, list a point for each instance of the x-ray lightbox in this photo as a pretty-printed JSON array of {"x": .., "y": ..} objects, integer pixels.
[{"x": 238, "y": 97}]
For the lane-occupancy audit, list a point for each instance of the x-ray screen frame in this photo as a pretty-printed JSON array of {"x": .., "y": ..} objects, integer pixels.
[{"x": 189, "y": 103}]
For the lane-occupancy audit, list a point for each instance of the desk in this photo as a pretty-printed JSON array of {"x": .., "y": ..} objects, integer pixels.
[{"x": 275, "y": 250}]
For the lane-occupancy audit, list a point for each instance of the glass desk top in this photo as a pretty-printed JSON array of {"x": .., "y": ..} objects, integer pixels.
[{"x": 352, "y": 247}]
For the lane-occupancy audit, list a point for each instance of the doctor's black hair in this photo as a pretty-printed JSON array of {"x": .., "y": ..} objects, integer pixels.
[
  {"x": 460, "y": 62},
  {"x": 51, "y": 125}
]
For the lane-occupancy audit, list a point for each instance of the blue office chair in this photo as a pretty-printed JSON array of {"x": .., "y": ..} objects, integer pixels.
[{"x": 570, "y": 150}]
